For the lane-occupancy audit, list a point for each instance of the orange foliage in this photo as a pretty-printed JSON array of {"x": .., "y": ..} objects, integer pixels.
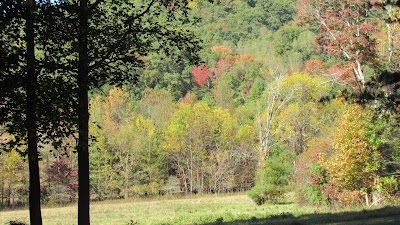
[
  {"x": 243, "y": 58},
  {"x": 224, "y": 51}
]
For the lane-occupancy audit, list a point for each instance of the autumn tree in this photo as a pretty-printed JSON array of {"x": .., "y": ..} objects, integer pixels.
[
  {"x": 206, "y": 150},
  {"x": 63, "y": 180},
  {"x": 13, "y": 178},
  {"x": 271, "y": 103},
  {"x": 354, "y": 166},
  {"x": 201, "y": 74},
  {"x": 345, "y": 30},
  {"x": 125, "y": 159}
]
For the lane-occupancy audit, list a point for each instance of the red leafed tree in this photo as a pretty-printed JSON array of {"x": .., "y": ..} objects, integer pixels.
[
  {"x": 63, "y": 179},
  {"x": 345, "y": 31},
  {"x": 201, "y": 75},
  {"x": 314, "y": 66}
]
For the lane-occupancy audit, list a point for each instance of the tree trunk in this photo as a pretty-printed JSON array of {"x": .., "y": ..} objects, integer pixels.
[
  {"x": 83, "y": 116},
  {"x": 2, "y": 194},
  {"x": 31, "y": 104}
]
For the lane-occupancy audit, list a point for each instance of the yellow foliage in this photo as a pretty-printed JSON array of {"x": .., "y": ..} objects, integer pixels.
[
  {"x": 192, "y": 4},
  {"x": 353, "y": 166}
]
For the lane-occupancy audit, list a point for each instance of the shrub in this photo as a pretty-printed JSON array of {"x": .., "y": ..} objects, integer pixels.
[{"x": 387, "y": 187}]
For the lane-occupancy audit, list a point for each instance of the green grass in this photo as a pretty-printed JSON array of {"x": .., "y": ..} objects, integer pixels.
[{"x": 233, "y": 209}]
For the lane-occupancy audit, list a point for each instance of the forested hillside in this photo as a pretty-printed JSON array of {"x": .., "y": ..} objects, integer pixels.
[{"x": 297, "y": 96}]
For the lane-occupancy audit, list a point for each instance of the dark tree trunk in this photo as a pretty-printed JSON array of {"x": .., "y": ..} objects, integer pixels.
[
  {"x": 31, "y": 84},
  {"x": 83, "y": 116},
  {"x": 2, "y": 194}
]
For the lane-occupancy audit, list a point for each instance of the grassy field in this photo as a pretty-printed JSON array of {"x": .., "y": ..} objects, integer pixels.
[{"x": 233, "y": 209}]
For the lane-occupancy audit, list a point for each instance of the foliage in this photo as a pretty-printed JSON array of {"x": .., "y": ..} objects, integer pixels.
[
  {"x": 201, "y": 74},
  {"x": 354, "y": 166},
  {"x": 317, "y": 183},
  {"x": 273, "y": 177},
  {"x": 125, "y": 159},
  {"x": 300, "y": 116},
  {"x": 345, "y": 30},
  {"x": 63, "y": 182},
  {"x": 221, "y": 118}
]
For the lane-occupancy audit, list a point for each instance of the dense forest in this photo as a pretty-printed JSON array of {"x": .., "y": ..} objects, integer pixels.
[{"x": 269, "y": 97}]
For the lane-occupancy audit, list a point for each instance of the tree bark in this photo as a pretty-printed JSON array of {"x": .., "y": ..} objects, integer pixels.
[
  {"x": 83, "y": 116},
  {"x": 31, "y": 123}
]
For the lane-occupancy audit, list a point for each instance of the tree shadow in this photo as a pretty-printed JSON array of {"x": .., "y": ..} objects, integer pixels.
[{"x": 384, "y": 216}]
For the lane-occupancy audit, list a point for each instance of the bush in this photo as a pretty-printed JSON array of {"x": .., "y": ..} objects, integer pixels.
[
  {"x": 387, "y": 187},
  {"x": 315, "y": 188}
]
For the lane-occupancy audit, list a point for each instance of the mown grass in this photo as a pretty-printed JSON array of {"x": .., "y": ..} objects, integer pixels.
[{"x": 233, "y": 209}]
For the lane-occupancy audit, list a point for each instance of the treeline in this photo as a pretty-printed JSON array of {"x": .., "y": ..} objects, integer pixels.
[{"x": 299, "y": 103}]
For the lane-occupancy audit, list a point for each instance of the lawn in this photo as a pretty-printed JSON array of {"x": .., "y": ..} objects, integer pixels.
[{"x": 232, "y": 209}]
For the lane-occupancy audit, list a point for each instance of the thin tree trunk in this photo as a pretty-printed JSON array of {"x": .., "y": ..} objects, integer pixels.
[
  {"x": 2, "y": 193},
  {"x": 126, "y": 185},
  {"x": 83, "y": 116},
  {"x": 9, "y": 196},
  {"x": 31, "y": 99}
]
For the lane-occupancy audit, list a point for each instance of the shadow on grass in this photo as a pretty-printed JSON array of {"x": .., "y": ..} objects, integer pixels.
[{"x": 385, "y": 216}]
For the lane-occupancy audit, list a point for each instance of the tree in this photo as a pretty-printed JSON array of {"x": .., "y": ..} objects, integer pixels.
[
  {"x": 201, "y": 74},
  {"x": 271, "y": 104},
  {"x": 273, "y": 178},
  {"x": 92, "y": 54},
  {"x": 125, "y": 160},
  {"x": 26, "y": 11},
  {"x": 275, "y": 14},
  {"x": 345, "y": 30},
  {"x": 389, "y": 12},
  {"x": 354, "y": 166},
  {"x": 63, "y": 180},
  {"x": 299, "y": 118},
  {"x": 207, "y": 150},
  {"x": 12, "y": 177}
]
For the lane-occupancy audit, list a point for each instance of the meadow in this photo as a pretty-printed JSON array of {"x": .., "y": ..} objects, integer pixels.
[{"x": 209, "y": 209}]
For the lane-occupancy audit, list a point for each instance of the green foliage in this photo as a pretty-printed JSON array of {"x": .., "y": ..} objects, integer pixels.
[
  {"x": 388, "y": 186},
  {"x": 318, "y": 181},
  {"x": 125, "y": 160},
  {"x": 274, "y": 14},
  {"x": 273, "y": 177}
]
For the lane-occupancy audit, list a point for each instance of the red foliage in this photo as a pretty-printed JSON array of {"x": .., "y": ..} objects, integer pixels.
[
  {"x": 314, "y": 66},
  {"x": 201, "y": 74},
  {"x": 60, "y": 173},
  {"x": 342, "y": 73},
  {"x": 345, "y": 30},
  {"x": 222, "y": 66}
]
